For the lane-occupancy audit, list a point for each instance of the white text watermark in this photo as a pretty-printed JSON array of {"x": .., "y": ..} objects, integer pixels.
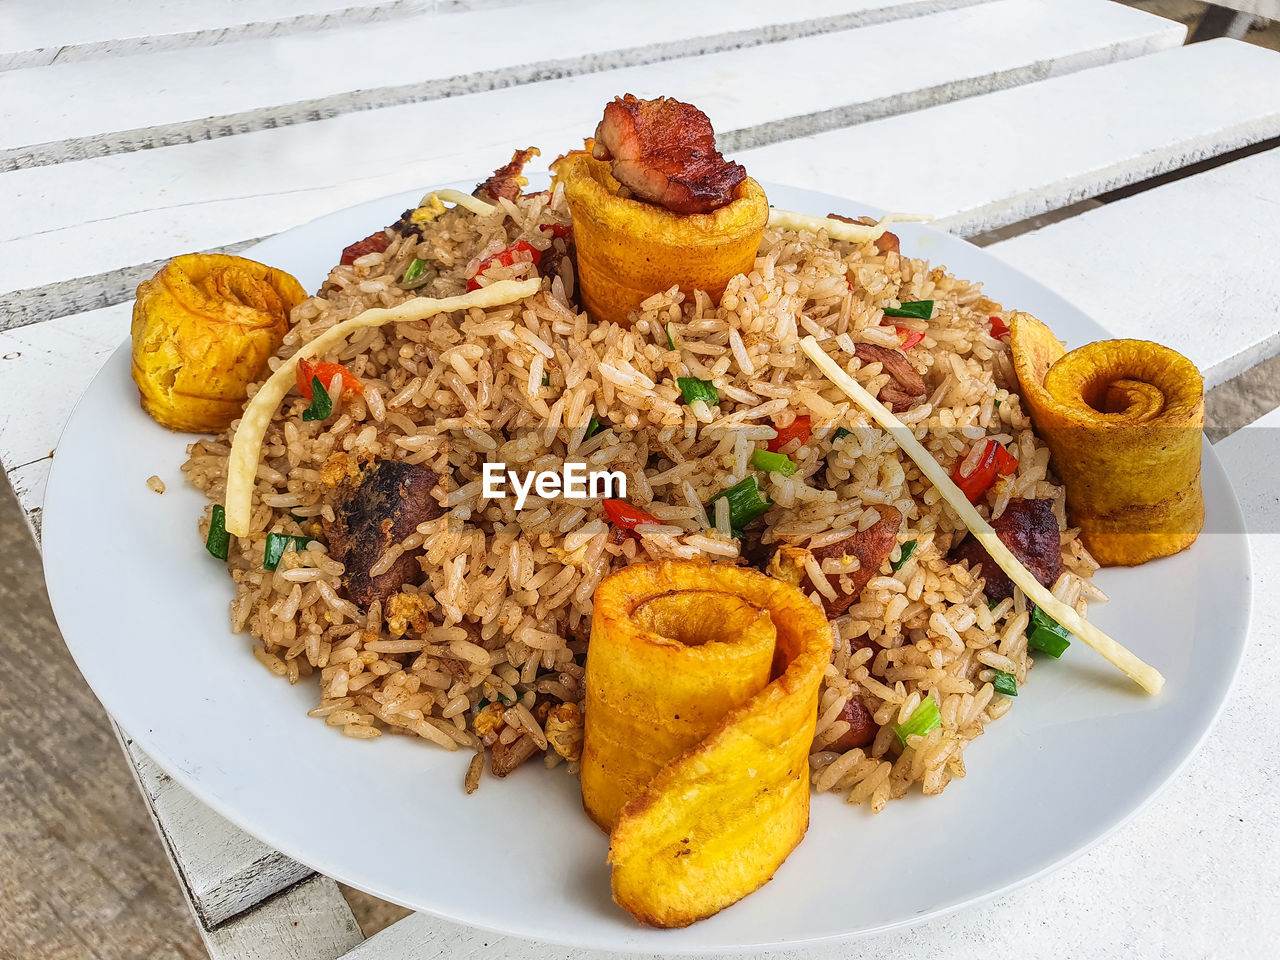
[{"x": 573, "y": 482}]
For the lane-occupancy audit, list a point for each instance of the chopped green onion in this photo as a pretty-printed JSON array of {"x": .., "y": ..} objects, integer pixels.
[
  {"x": 321, "y": 404},
  {"x": 916, "y": 309},
  {"x": 414, "y": 271},
  {"x": 770, "y": 462},
  {"x": 546, "y": 379},
  {"x": 923, "y": 719},
  {"x": 694, "y": 389},
  {"x": 840, "y": 434},
  {"x": 1046, "y": 635},
  {"x": 218, "y": 541},
  {"x": 996, "y": 404},
  {"x": 746, "y": 502},
  {"x": 908, "y": 549},
  {"x": 992, "y": 604},
  {"x": 481, "y": 704},
  {"x": 592, "y": 428},
  {"x": 1005, "y": 683},
  {"x": 277, "y": 544},
  {"x": 671, "y": 336}
]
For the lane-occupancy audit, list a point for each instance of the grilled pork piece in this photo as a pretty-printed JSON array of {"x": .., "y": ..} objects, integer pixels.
[
  {"x": 380, "y": 506},
  {"x": 1030, "y": 531},
  {"x": 862, "y": 728},
  {"x": 508, "y": 181},
  {"x": 870, "y": 548},
  {"x": 907, "y": 387},
  {"x": 373, "y": 243},
  {"x": 664, "y": 152}
]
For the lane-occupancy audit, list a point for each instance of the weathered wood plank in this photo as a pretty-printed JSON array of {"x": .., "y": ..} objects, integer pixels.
[
  {"x": 1128, "y": 264},
  {"x": 310, "y": 921},
  {"x": 34, "y": 33},
  {"x": 119, "y": 213},
  {"x": 987, "y": 161},
  {"x": 67, "y": 111}
]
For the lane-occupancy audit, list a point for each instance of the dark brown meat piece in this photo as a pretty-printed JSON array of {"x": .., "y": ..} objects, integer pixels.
[
  {"x": 664, "y": 152},
  {"x": 870, "y": 547},
  {"x": 884, "y": 243},
  {"x": 381, "y": 507},
  {"x": 1030, "y": 531},
  {"x": 753, "y": 551},
  {"x": 373, "y": 243},
  {"x": 862, "y": 728},
  {"x": 508, "y": 181},
  {"x": 907, "y": 387}
]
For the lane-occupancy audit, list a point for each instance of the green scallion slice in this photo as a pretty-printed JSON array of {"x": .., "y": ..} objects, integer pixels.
[
  {"x": 414, "y": 271},
  {"x": 746, "y": 502},
  {"x": 915, "y": 309},
  {"x": 908, "y": 549},
  {"x": 277, "y": 544},
  {"x": 218, "y": 541},
  {"x": 770, "y": 462},
  {"x": 840, "y": 434},
  {"x": 671, "y": 336},
  {"x": 922, "y": 720},
  {"x": 996, "y": 404},
  {"x": 321, "y": 404},
  {"x": 592, "y": 429},
  {"x": 694, "y": 389},
  {"x": 1005, "y": 683},
  {"x": 546, "y": 379},
  {"x": 1046, "y": 635}
]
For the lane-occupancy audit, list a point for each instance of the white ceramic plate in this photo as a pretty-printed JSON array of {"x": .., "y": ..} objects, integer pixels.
[{"x": 144, "y": 611}]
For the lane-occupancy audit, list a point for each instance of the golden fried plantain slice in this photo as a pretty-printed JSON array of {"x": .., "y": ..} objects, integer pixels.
[
  {"x": 1123, "y": 419},
  {"x": 702, "y": 685}
]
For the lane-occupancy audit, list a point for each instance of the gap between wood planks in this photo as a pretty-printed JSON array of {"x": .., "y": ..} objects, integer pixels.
[{"x": 321, "y": 108}]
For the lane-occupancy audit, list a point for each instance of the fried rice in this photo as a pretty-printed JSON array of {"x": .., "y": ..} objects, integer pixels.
[{"x": 489, "y": 647}]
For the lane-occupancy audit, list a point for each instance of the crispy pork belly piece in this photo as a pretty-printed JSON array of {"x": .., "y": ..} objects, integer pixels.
[
  {"x": 664, "y": 152},
  {"x": 907, "y": 387},
  {"x": 380, "y": 506},
  {"x": 869, "y": 548},
  {"x": 508, "y": 181},
  {"x": 1030, "y": 531}
]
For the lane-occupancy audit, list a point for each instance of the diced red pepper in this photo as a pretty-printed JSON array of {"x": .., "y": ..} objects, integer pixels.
[
  {"x": 909, "y": 338},
  {"x": 799, "y": 429},
  {"x": 326, "y": 372},
  {"x": 624, "y": 516},
  {"x": 505, "y": 258},
  {"x": 994, "y": 461},
  {"x": 999, "y": 329},
  {"x": 374, "y": 243},
  {"x": 557, "y": 229}
]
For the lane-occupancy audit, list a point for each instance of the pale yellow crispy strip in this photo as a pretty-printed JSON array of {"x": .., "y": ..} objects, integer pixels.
[
  {"x": 464, "y": 200},
  {"x": 242, "y": 467},
  {"x": 1141, "y": 673},
  {"x": 838, "y": 229}
]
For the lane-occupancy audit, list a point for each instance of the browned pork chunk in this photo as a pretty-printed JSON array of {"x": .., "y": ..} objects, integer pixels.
[
  {"x": 862, "y": 728},
  {"x": 1030, "y": 531},
  {"x": 664, "y": 152},
  {"x": 379, "y": 506},
  {"x": 862, "y": 552},
  {"x": 907, "y": 387},
  {"x": 508, "y": 182}
]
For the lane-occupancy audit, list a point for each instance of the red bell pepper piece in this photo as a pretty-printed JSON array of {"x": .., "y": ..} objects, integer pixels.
[
  {"x": 910, "y": 338},
  {"x": 994, "y": 461},
  {"x": 625, "y": 516},
  {"x": 557, "y": 229},
  {"x": 506, "y": 258},
  {"x": 326, "y": 372},
  {"x": 799, "y": 429},
  {"x": 999, "y": 329}
]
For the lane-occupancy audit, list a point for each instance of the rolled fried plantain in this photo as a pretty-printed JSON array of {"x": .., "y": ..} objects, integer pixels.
[
  {"x": 629, "y": 250},
  {"x": 701, "y": 699},
  {"x": 203, "y": 329},
  {"x": 1123, "y": 419}
]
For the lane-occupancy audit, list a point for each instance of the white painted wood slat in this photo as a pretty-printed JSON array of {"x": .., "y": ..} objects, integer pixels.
[
  {"x": 1190, "y": 264},
  {"x": 34, "y": 33},
  {"x": 987, "y": 161},
  {"x": 84, "y": 109},
  {"x": 136, "y": 208}
]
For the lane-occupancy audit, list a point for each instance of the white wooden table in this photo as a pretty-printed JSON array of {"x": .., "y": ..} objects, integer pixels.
[{"x": 134, "y": 132}]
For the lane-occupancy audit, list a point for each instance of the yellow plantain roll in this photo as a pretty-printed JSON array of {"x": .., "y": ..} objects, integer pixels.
[
  {"x": 701, "y": 698},
  {"x": 629, "y": 250},
  {"x": 203, "y": 328},
  {"x": 1123, "y": 420}
]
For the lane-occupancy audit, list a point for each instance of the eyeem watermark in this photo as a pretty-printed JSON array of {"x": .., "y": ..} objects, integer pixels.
[{"x": 574, "y": 482}]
